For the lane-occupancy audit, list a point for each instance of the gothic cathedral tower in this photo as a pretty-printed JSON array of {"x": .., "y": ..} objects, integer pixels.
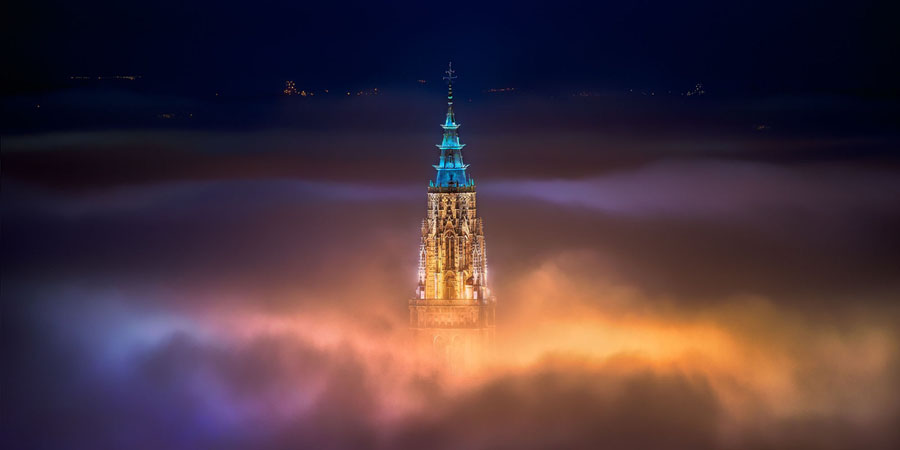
[{"x": 452, "y": 315}]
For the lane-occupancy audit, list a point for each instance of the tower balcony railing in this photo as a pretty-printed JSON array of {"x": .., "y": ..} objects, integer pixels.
[
  {"x": 450, "y": 189},
  {"x": 452, "y": 301}
]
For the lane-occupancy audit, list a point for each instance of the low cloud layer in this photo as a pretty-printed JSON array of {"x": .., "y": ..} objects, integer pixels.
[
  {"x": 247, "y": 289},
  {"x": 271, "y": 314},
  {"x": 720, "y": 190}
]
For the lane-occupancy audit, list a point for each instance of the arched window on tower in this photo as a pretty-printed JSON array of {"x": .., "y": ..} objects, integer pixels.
[{"x": 450, "y": 250}]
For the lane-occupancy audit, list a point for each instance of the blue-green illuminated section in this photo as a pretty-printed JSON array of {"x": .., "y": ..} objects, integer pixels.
[{"x": 451, "y": 170}]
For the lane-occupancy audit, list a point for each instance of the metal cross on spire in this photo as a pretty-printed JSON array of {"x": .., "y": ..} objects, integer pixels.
[{"x": 449, "y": 77}]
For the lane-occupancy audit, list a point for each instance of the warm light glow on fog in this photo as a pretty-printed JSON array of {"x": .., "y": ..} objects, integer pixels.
[{"x": 760, "y": 363}]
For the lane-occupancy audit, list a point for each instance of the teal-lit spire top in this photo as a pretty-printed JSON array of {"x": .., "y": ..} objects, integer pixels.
[{"x": 451, "y": 171}]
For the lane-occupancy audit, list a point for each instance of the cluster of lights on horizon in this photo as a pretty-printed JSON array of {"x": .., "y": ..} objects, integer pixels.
[
  {"x": 697, "y": 90},
  {"x": 175, "y": 115},
  {"x": 111, "y": 77},
  {"x": 290, "y": 89}
]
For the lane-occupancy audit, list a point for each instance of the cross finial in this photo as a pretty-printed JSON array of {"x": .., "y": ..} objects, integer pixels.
[{"x": 449, "y": 77}]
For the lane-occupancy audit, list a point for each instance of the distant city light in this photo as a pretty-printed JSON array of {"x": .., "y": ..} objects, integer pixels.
[
  {"x": 112, "y": 77},
  {"x": 497, "y": 90},
  {"x": 290, "y": 88},
  {"x": 697, "y": 90}
]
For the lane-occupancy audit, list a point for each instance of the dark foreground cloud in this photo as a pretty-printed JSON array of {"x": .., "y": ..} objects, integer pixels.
[{"x": 148, "y": 381}]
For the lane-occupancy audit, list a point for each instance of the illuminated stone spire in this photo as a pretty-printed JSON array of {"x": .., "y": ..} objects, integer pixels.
[
  {"x": 451, "y": 170},
  {"x": 452, "y": 316}
]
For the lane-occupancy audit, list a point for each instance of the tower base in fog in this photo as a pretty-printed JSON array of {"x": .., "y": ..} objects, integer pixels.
[{"x": 457, "y": 333}]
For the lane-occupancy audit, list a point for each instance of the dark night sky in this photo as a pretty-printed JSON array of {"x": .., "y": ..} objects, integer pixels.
[
  {"x": 745, "y": 48},
  {"x": 182, "y": 269}
]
